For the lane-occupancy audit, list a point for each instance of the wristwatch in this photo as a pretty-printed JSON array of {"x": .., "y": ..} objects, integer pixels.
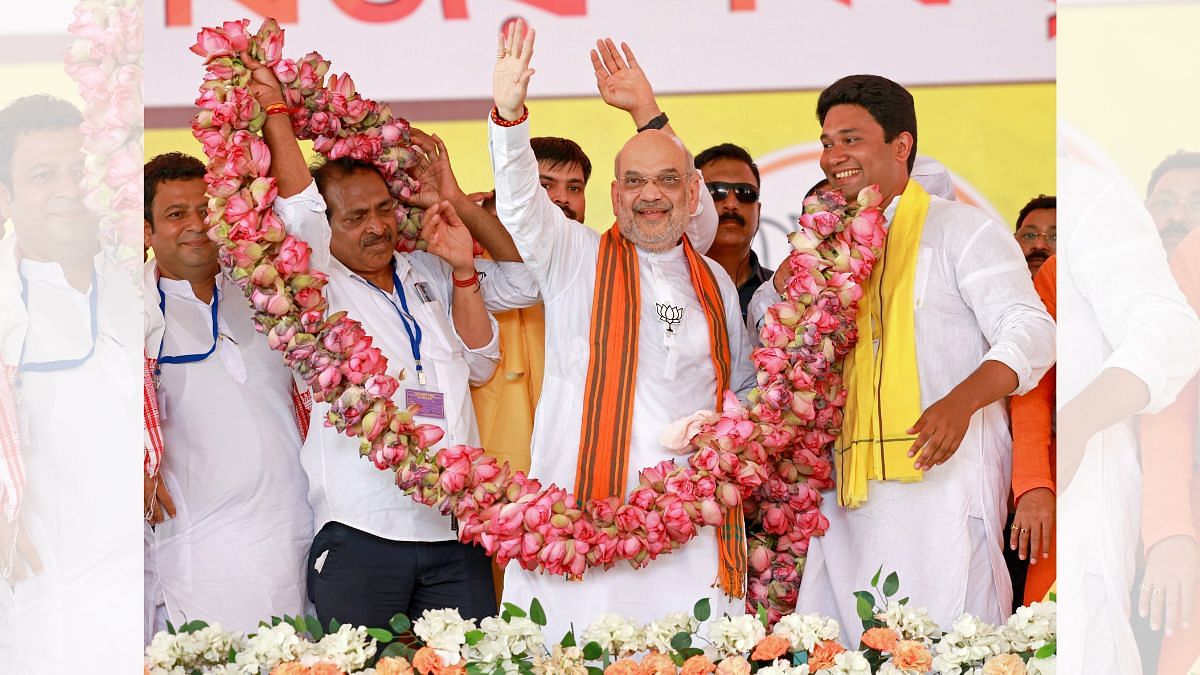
[{"x": 658, "y": 122}]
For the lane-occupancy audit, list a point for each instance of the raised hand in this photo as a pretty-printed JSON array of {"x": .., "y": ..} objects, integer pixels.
[
  {"x": 621, "y": 81},
  {"x": 263, "y": 84},
  {"x": 433, "y": 172},
  {"x": 510, "y": 78},
  {"x": 448, "y": 238}
]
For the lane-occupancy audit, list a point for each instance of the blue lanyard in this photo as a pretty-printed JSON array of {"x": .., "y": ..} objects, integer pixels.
[
  {"x": 411, "y": 327},
  {"x": 64, "y": 364},
  {"x": 185, "y": 358}
]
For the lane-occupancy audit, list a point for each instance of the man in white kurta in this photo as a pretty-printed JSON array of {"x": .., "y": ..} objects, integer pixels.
[
  {"x": 671, "y": 382},
  {"x": 69, "y": 318},
  {"x": 974, "y": 307},
  {"x": 235, "y": 550},
  {"x": 1120, "y": 321}
]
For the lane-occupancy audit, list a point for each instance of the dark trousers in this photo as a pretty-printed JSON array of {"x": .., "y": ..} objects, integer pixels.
[{"x": 365, "y": 580}]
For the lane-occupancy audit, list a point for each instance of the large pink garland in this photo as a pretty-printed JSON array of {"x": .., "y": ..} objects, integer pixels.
[{"x": 772, "y": 457}]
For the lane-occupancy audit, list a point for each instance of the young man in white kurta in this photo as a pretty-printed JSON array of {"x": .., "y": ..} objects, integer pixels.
[
  {"x": 979, "y": 328},
  {"x": 562, "y": 254},
  {"x": 235, "y": 550}
]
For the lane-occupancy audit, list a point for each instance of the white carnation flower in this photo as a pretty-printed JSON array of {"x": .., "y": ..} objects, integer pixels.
[
  {"x": 967, "y": 646},
  {"x": 349, "y": 648},
  {"x": 736, "y": 634},
  {"x": 657, "y": 634},
  {"x": 519, "y": 637},
  {"x": 913, "y": 623},
  {"x": 1046, "y": 666},
  {"x": 849, "y": 663},
  {"x": 1032, "y": 627},
  {"x": 444, "y": 631},
  {"x": 783, "y": 667},
  {"x": 614, "y": 634},
  {"x": 270, "y": 647},
  {"x": 804, "y": 631}
]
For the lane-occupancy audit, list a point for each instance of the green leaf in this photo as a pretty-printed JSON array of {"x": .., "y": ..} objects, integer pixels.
[
  {"x": 891, "y": 585},
  {"x": 334, "y": 625},
  {"x": 1054, "y": 596},
  {"x": 1047, "y": 650},
  {"x": 677, "y": 659},
  {"x": 536, "y": 613},
  {"x": 681, "y": 640},
  {"x": 592, "y": 651},
  {"x": 193, "y": 626},
  {"x": 875, "y": 579},
  {"x": 762, "y": 615},
  {"x": 702, "y": 610},
  {"x": 593, "y": 670},
  {"x": 514, "y": 610},
  {"x": 314, "y": 628},
  {"x": 474, "y": 669},
  {"x": 298, "y": 623},
  {"x": 400, "y": 624},
  {"x": 232, "y": 656},
  {"x": 397, "y": 649},
  {"x": 524, "y": 667},
  {"x": 903, "y": 601},
  {"x": 380, "y": 634},
  {"x": 690, "y": 652},
  {"x": 498, "y": 670},
  {"x": 866, "y": 605},
  {"x": 170, "y": 628},
  {"x": 473, "y": 637},
  {"x": 568, "y": 639}
]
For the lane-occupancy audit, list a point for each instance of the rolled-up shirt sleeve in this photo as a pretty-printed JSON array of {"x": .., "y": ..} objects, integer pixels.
[{"x": 303, "y": 214}]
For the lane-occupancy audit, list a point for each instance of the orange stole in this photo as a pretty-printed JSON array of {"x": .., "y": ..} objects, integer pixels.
[{"x": 604, "y": 437}]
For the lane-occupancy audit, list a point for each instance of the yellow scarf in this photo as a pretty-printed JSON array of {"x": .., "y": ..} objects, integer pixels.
[{"x": 884, "y": 395}]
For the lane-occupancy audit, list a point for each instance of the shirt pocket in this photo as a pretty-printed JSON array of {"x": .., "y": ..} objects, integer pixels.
[
  {"x": 438, "y": 340},
  {"x": 921, "y": 283}
]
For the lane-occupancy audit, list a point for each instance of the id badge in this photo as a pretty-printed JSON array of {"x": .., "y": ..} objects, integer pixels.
[{"x": 429, "y": 403}]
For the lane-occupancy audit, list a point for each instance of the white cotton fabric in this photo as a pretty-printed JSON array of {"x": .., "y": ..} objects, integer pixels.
[
  {"x": 973, "y": 302},
  {"x": 561, "y": 254},
  {"x": 344, "y": 486},
  {"x": 1119, "y": 307},
  {"x": 236, "y": 548}
]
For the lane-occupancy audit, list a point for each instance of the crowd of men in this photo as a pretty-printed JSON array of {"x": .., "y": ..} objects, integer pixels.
[{"x": 259, "y": 509}]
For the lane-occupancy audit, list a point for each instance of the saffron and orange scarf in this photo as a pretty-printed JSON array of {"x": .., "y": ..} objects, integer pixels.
[{"x": 612, "y": 375}]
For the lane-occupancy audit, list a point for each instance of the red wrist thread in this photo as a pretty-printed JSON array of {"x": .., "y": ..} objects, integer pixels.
[{"x": 501, "y": 122}]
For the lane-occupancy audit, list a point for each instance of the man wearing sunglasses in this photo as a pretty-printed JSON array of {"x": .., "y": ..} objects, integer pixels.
[{"x": 731, "y": 177}]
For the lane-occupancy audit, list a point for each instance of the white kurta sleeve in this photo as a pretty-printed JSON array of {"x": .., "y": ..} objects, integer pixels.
[
  {"x": 550, "y": 243},
  {"x": 304, "y": 217},
  {"x": 701, "y": 228},
  {"x": 1118, "y": 264},
  {"x": 994, "y": 281},
  {"x": 742, "y": 375},
  {"x": 756, "y": 311},
  {"x": 507, "y": 285}
]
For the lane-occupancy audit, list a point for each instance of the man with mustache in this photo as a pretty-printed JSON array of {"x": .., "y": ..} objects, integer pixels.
[
  {"x": 951, "y": 329},
  {"x": 634, "y": 318},
  {"x": 1173, "y": 197},
  {"x": 1036, "y": 231},
  {"x": 731, "y": 177},
  {"x": 377, "y": 552},
  {"x": 231, "y": 517}
]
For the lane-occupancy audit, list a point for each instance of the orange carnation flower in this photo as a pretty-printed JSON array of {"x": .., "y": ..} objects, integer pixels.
[
  {"x": 912, "y": 655},
  {"x": 697, "y": 665},
  {"x": 823, "y": 653},
  {"x": 289, "y": 668},
  {"x": 881, "y": 639},
  {"x": 426, "y": 662},
  {"x": 393, "y": 665},
  {"x": 325, "y": 668},
  {"x": 770, "y": 648},
  {"x": 656, "y": 663},
  {"x": 734, "y": 665},
  {"x": 624, "y": 666}
]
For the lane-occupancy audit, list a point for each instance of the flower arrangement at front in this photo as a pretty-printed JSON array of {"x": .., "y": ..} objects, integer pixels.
[
  {"x": 898, "y": 640},
  {"x": 769, "y": 458}
]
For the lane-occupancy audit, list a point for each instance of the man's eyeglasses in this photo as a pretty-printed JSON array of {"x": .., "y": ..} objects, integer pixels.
[
  {"x": 745, "y": 192},
  {"x": 1031, "y": 237},
  {"x": 632, "y": 182},
  {"x": 1162, "y": 204}
]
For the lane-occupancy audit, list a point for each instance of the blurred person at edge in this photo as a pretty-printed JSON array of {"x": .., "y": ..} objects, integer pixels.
[
  {"x": 1169, "y": 593},
  {"x": 1036, "y": 231},
  {"x": 229, "y": 504},
  {"x": 1173, "y": 197},
  {"x": 974, "y": 332},
  {"x": 69, "y": 330},
  {"x": 1131, "y": 343}
]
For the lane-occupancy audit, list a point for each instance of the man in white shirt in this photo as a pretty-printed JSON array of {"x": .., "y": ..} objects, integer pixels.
[
  {"x": 377, "y": 552},
  {"x": 930, "y": 497},
  {"x": 235, "y": 550},
  {"x": 675, "y": 373}
]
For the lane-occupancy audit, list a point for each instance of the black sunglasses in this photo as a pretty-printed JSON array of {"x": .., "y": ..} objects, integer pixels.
[{"x": 745, "y": 192}]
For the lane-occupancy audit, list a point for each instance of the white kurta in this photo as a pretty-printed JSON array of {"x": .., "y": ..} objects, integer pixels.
[
  {"x": 344, "y": 486},
  {"x": 1119, "y": 307},
  {"x": 973, "y": 301},
  {"x": 561, "y": 254},
  {"x": 80, "y": 500},
  {"x": 235, "y": 550}
]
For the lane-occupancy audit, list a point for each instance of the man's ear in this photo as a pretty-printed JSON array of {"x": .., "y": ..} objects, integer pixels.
[
  {"x": 693, "y": 193},
  {"x": 147, "y": 232},
  {"x": 616, "y": 198},
  {"x": 903, "y": 143}
]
